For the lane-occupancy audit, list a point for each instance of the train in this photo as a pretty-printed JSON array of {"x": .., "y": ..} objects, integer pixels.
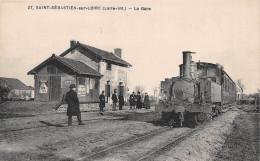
[{"x": 201, "y": 91}]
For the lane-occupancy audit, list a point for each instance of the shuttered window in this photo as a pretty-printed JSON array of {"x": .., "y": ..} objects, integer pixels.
[{"x": 109, "y": 66}]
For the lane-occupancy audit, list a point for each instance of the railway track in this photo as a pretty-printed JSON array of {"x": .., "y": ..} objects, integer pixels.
[
  {"x": 48, "y": 124},
  {"x": 130, "y": 142},
  {"x": 175, "y": 142},
  {"x": 151, "y": 153},
  {"x": 147, "y": 155}
]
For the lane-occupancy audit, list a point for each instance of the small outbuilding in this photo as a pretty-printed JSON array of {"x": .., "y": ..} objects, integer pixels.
[
  {"x": 54, "y": 76},
  {"x": 15, "y": 89}
]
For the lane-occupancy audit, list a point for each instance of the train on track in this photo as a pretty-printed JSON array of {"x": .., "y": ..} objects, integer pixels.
[{"x": 201, "y": 91}]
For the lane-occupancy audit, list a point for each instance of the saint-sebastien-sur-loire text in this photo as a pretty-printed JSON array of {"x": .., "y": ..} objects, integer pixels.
[{"x": 90, "y": 8}]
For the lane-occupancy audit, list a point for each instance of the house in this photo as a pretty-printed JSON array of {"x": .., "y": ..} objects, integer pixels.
[
  {"x": 92, "y": 70},
  {"x": 17, "y": 90}
]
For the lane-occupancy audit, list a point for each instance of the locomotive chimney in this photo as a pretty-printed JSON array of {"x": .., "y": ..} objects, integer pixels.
[{"x": 187, "y": 64}]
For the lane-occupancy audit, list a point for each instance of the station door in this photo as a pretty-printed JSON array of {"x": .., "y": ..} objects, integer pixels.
[{"x": 55, "y": 88}]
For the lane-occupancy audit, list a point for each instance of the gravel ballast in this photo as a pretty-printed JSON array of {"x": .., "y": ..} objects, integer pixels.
[{"x": 205, "y": 143}]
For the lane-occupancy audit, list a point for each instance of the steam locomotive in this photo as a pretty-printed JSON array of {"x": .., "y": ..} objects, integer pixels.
[{"x": 202, "y": 91}]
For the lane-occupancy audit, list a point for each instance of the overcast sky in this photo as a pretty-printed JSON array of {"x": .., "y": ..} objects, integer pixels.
[{"x": 220, "y": 31}]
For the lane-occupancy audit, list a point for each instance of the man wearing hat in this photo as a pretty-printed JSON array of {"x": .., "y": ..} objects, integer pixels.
[
  {"x": 115, "y": 100},
  {"x": 102, "y": 102},
  {"x": 132, "y": 100},
  {"x": 73, "y": 105}
]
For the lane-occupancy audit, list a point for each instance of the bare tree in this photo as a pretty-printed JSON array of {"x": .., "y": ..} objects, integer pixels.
[
  {"x": 139, "y": 88},
  {"x": 240, "y": 87},
  {"x": 258, "y": 90},
  {"x": 155, "y": 90}
]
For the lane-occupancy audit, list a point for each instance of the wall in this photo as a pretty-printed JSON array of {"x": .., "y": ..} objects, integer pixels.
[
  {"x": 43, "y": 78},
  {"x": 16, "y": 94},
  {"x": 78, "y": 56},
  {"x": 116, "y": 75},
  {"x": 88, "y": 89}
]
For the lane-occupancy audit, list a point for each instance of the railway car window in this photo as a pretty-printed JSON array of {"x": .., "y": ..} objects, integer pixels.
[
  {"x": 228, "y": 84},
  {"x": 225, "y": 82},
  {"x": 229, "y": 88}
]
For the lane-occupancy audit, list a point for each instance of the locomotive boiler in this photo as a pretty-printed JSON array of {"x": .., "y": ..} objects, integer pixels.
[{"x": 201, "y": 91}]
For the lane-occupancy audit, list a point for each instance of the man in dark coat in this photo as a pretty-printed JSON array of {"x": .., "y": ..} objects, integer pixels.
[
  {"x": 115, "y": 100},
  {"x": 146, "y": 101},
  {"x": 132, "y": 100},
  {"x": 73, "y": 105},
  {"x": 121, "y": 101},
  {"x": 101, "y": 102},
  {"x": 139, "y": 101}
]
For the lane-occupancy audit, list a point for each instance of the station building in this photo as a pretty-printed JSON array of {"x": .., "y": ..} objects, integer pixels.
[{"x": 92, "y": 70}]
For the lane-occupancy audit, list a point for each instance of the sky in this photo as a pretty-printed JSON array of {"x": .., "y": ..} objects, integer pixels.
[{"x": 220, "y": 31}]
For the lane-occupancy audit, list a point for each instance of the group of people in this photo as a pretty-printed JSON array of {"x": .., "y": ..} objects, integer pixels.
[
  {"x": 136, "y": 101},
  {"x": 73, "y": 103},
  {"x": 116, "y": 99}
]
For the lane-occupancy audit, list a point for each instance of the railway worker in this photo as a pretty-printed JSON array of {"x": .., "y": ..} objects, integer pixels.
[
  {"x": 101, "y": 103},
  {"x": 132, "y": 100},
  {"x": 121, "y": 100},
  {"x": 146, "y": 101},
  {"x": 115, "y": 100},
  {"x": 139, "y": 101},
  {"x": 73, "y": 105}
]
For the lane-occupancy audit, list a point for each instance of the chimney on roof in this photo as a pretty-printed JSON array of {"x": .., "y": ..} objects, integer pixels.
[
  {"x": 72, "y": 43},
  {"x": 118, "y": 52}
]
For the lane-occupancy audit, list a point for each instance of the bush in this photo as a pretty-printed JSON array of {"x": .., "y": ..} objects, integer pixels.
[
  {"x": 4, "y": 92},
  {"x": 246, "y": 102}
]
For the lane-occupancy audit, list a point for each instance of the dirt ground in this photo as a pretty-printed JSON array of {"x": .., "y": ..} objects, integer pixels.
[
  {"x": 34, "y": 138},
  {"x": 232, "y": 136},
  {"x": 243, "y": 143}
]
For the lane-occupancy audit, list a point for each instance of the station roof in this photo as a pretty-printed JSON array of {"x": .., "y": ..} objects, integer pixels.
[
  {"x": 77, "y": 66},
  {"x": 101, "y": 54}
]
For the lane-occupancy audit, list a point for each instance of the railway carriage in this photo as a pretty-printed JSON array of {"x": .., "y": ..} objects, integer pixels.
[{"x": 201, "y": 91}]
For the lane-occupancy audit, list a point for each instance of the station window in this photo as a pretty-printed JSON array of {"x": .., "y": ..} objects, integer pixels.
[
  {"x": 109, "y": 66},
  {"x": 81, "y": 81}
]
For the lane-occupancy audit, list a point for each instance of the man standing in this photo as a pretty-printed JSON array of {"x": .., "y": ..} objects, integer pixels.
[
  {"x": 146, "y": 101},
  {"x": 101, "y": 102},
  {"x": 121, "y": 100},
  {"x": 115, "y": 100},
  {"x": 139, "y": 101},
  {"x": 73, "y": 105},
  {"x": 132, "y": 100}
]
